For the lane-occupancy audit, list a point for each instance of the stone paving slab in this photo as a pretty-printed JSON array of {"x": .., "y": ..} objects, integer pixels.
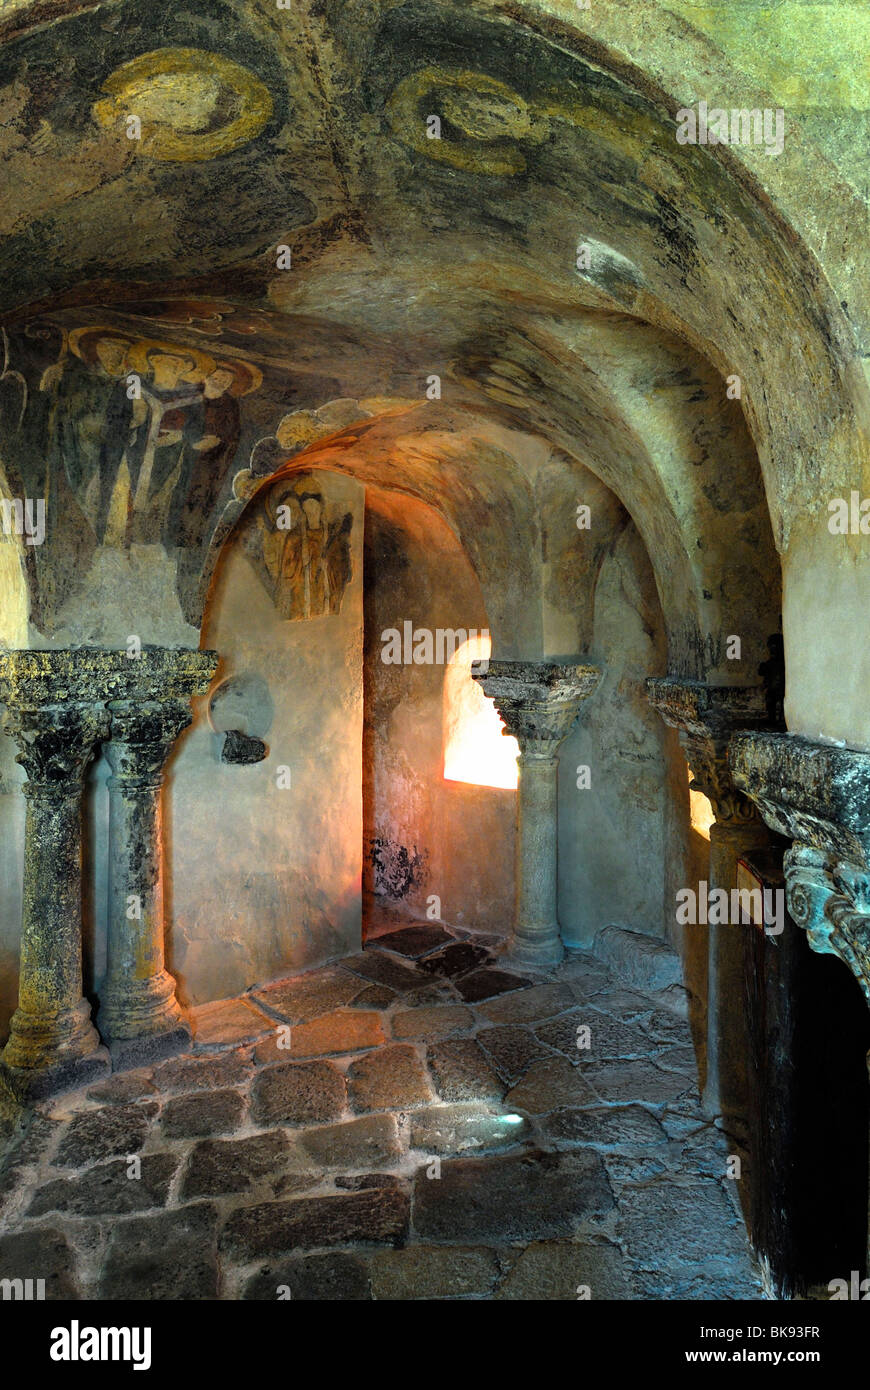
[
  {"x": 203, "y": 1114},
  {"x": 428, "y": 1025},
  {"x": 433, "y": 1271},
  {"x": 228, "y": 1023},
  {"x": 379, "y": 968},
  {"x": 528, "y": 1005},
  {"x": 667, "y": 1224},
  {"x": 549, "y": 1084},
  {"x": 372, "y": 1141},
  {"x": 309, "y": 1278},
  {"x": 458, "y": 959},
  {"x": 220, "y": 1166},
  {"x": 41, "y": 1253},
  {"x": 568, "y": 1270},
  {"x": 378, "y": 1216},
  {"x": 638, "y": 1080},
  {"x": 109, "y": 1188},
  {"x": 298, "y": 1093},
  {"x": 606, "y": 1127},
  {"x": 172, "y": 1255},
  {"x": 392, "y": 1078},
  {"x": 488, "y": 983},
  {"x": 462, "y": 1072},
  {"x": 607, "y": 1037},
  {"x": 201, "y": 1073},
  {"x": 457, "y": 1128},
  {"x": 512, "y": 1050},
  {"x": 413, "y": 941},
  {"x": 109, "y": 1133},
  {"x": 305, "y": 997},
  {"x": 346, "y": 1030},
  {"x": 524, "y": 1196}
]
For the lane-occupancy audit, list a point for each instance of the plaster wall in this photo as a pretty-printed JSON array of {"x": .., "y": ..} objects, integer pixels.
[{"x": 265, "y": 879}]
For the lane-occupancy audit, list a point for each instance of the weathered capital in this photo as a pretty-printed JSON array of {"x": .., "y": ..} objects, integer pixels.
[
  {"x": 142, "y": 737},
  {"x": 706, "y": 718},
  {"x": 538, "y": 700},
  {"x": 55, "y": 743},
  {"x": 94, "y": 675},
  {"x": 818, "y": 795}
]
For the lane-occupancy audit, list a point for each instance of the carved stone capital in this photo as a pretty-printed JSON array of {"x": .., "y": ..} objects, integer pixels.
[
  {"x": 55, "y": 745},
  {"x": 142, "y": 736},
  {"x": 815, "y": 793},
  {"x": 819, "y": 796},
  {"x": 706, "y": 718},
  {"x": 830, "y": 899},
  {"x": 538, "y": 700}
]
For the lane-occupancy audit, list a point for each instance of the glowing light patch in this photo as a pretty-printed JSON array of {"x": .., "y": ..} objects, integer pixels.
[
  {"x": 476, "y": 750},
  {"x": 700, "y": 811}
]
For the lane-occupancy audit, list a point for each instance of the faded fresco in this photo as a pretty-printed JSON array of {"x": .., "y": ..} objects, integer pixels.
[
  {"x": 128, "y": 441},
  {"x": 299, "y": 544}
]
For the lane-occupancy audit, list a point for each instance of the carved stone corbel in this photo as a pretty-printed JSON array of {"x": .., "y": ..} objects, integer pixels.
[{"x": 819, "y": 796}]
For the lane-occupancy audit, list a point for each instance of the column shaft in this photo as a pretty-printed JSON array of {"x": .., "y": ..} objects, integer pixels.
[
  {"x": 706, "y": 718},
  {"x": 537, "y": 939},
  {"x": 139, "y": 1013},
  {"x": 539, "y": 702},
  {"x": 52, "y": 1043},
  {"x": 726, "y": 1089}
]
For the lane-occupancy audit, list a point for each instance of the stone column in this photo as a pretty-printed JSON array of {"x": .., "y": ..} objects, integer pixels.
[
  {"x": 819, "y": 796},
  {"x": 53, "y": 1044},
  {"x": 706, "y": 718},
  {"x": 139, "y": 1013},
  {"x": 140, "y": 1016},
  {"x": 538, "y": 702}
]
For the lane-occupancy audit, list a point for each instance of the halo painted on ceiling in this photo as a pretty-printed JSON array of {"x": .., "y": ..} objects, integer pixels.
[{"x": 192, "y": 104}]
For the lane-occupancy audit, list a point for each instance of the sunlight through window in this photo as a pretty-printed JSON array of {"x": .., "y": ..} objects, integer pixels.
[{"x": 475, "y": 749}]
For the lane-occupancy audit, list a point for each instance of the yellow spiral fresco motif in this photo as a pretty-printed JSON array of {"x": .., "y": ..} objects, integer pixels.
[
  {"x": 489, "y": 116},
  {"x": 191, "y": 104}
]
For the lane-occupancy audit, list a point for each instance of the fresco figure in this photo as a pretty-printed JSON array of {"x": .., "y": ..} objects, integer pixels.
[
  {"x": 301, "y": 551},
  {"x": 170, "y": 419},
  {"x": 207, "y": 461},
  {"x": 157, "y": 441}
]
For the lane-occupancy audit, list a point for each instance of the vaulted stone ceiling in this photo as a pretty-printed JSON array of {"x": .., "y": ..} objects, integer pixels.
[{"x": 308, "y": 128}]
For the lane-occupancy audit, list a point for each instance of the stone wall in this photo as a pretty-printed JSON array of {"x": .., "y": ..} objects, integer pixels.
[
  {"x": 623, "y": 842},
  {"x": 425, "y": 835}
]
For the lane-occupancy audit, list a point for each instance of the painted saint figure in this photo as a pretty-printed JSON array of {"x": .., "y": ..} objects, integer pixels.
[{"x": 301, "y": 553}]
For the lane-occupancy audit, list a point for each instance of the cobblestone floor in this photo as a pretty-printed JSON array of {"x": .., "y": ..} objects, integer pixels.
[{"x": 433, "y": 1131}]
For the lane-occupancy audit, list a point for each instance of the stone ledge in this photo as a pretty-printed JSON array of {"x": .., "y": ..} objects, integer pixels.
[
  {"x": 704, "y": 710},
  {"x": 536, "y": 681},
  {"x": 30, "y": 678},
  {"x": 816, "y": 793},
  {"x": 644, "y": 962}
]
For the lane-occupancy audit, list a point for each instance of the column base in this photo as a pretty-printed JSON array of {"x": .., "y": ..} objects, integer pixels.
[
  {"x": 128, "y": 1053},
  {"x": 29, "y": 1084},
  {"x": 544, "y": 954},
  {"x": 139, "y": 1017},
  {"x": 38, "y": 1042}
]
